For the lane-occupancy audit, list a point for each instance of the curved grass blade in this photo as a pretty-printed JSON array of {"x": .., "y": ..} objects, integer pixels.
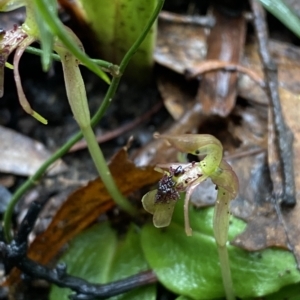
[{"x": 283, "y": 13}]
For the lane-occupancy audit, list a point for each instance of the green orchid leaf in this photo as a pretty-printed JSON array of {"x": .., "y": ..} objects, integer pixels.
[
  {"x": 99, "y": 257},
  {"x": 189, "y": 266},
  {"x": 123, "y": 22},
  {"x": 57, "y": 29},
  {"x": 283, "y": 13}
]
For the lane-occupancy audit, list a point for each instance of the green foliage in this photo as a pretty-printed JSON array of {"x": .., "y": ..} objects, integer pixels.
[
  {"x": 282, "y": 12},
  {"x": 121, "y": 23},
  {"x": 99, "y": 257},
  {"x": 58, "y": 30},
  {"x": 185, "y": 265},
  {"x": 46, "y": 37},
  {"x": 189, "y": 265}
]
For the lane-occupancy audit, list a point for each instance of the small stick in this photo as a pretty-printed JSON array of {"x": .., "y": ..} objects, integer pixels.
[
  {"x": 213, "y": 65},
  {"x": 205, "y": 21},
  {"x": 120, "y": 130},
  {"x": 281, "y": 137}
]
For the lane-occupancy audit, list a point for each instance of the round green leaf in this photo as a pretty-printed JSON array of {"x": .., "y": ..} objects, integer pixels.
[
  {"x": 99, "y": 257},
  {"x": 189, "y": 265}
]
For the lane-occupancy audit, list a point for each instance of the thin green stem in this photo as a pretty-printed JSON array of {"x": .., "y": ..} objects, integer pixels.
[
  {"x": 226, "y": 273},
  {"x": 104, "y": 171},
  {"x": 220, "y": 227},
  {"x": 66, "y": 147},
  {"x": 101, "y": 63}
]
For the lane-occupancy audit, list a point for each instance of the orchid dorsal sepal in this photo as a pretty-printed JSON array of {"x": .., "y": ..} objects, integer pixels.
[{"x": 198, "y": 144}]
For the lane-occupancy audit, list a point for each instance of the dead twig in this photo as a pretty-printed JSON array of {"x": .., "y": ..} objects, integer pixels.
[
  {"x": 213, "y": 65},
  {"x": 205, "y": 21},
  {"x": 120, "y": 130},
  {"x": 280, "y": 142}
]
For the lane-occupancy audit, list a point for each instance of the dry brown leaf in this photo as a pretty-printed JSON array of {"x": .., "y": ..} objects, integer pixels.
[
  {"x": 217, "y": 91},
  {"x": 85, "y": 205},
  {"x": 287, "y": 58},
  {"x": 173, "y": 97},
  {"x": 181, "y": 47},
  {"x": 264, "y": 219}
]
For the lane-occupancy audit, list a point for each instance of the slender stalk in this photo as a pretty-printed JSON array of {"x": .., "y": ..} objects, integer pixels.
[
  {"x": 66, "y": 147},
  {"x": 104, "y": 171},
  {"x": 101, "y": 63},
  {"x": 220, "y": 226},
  {"x": 226, "y": 273}
]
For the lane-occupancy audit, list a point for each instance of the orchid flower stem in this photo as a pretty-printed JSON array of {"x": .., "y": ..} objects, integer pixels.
[
  {"x": 31, "y": 181},
  {"x": 220, "y": 226},
  {"x": 226, "y": 273},
  {"x": 104, "y": 171}
]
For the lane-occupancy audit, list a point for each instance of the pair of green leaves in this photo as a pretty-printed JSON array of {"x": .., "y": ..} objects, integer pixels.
[{"x": 185, "y": 265}]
